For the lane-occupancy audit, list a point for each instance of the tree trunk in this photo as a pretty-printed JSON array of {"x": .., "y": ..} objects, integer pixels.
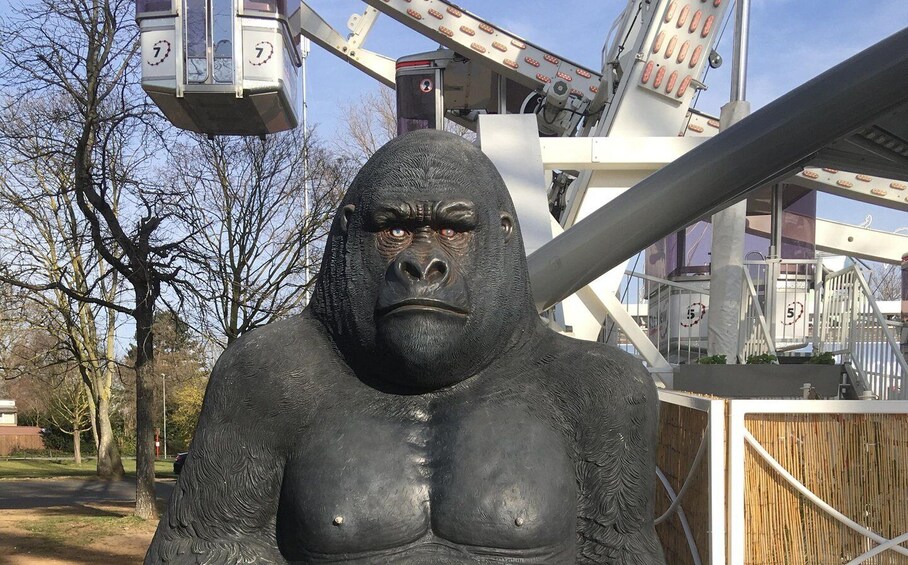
[
  {"x": 93, "y": 409},
  {"x": 77, "y": 444},
  {"x": 109, "y": 464},
  {"x": 144, "y": 315}
]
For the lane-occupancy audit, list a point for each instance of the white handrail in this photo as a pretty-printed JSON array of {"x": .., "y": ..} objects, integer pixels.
[
  {"x": 879, "y": 549},
  {"x": 688, "y": 533},
  {"x": 751, "y": 301},
  {"x": 687, "y": 480}
]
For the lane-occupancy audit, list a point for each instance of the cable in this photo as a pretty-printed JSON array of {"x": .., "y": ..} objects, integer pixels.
[
  {"x": 709, "y": 67},
  {"x": 629, "y": 28}
]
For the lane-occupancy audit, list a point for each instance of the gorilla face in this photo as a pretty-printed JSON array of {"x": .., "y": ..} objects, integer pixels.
[
  {"x": 432, "y": 276},
  {"x": 423, "y": 305}
]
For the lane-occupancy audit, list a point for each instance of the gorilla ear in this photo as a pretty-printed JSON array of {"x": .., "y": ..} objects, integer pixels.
[
  {"x": 346, "y": 214},
  {"x": 507, "y": 226}
]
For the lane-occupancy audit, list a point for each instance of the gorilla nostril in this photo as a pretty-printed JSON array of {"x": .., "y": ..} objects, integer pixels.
[
  {"x": 437, "y": 269},
  {"x": 411, "y": 270}
]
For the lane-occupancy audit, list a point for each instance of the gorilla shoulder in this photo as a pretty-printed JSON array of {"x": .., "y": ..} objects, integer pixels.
[
  {"x": 602, "y": 372},
  {"x": 270, "y": 362}
]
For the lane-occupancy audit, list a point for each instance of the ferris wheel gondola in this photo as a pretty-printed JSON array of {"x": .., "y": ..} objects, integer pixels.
[{"x": 221, "y": 67}]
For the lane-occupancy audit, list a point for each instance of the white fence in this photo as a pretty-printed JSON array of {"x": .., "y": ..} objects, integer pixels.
[
  {"x": 673, "y": 314},
  {"x": 786, "y": 291}
]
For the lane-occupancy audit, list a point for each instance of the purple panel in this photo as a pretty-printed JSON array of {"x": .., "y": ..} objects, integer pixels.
[
  {"x": 270, "y": 6},
  {"x": 697, "y": 248},
  {"x": 143, "y": 6},
  {"x": 799, "y": 226}
]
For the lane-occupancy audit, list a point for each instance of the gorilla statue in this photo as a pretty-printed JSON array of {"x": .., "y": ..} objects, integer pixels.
[{"x": 419, "y": 411}]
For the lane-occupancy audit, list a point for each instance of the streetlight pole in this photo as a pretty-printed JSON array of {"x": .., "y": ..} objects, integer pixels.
[
  {"x": 164, "y": 388},
  {"x": 307, "y": 272}
]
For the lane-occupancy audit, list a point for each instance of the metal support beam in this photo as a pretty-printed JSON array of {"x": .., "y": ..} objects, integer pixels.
[
  {"x": 512, "y": 144},
  {"x": 846, "y": 239},
  {"x": 727, "y": 260},
  {"x": 496, "y": 48},
  {"x": 873, "y": 190},
  {"x": 763, "y": 148},
  {"x": 614, "y": 153},
  {"x": 321, "y": 33}
]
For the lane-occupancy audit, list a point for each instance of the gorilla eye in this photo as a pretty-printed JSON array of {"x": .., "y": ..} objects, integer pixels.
[
  {"x": 447, "y": 232},
  {"x": 398, "y": 233}
]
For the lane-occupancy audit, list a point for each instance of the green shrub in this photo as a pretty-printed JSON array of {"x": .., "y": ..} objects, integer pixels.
[
  {"x": 822, "y": 359},
  {"x": 712, "y": 360},
  {"x": 762, "y": 359}
]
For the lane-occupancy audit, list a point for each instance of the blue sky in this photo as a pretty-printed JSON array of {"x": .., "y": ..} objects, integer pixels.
[{"x": 791, "y": 42}]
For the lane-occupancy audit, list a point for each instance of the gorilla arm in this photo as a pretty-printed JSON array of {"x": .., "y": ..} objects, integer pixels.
[
  {"x": 223, "y": 506},
  {"x": 617, "y": 463}
]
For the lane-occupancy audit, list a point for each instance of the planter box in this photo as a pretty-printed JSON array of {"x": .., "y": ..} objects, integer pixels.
[{"x": 759, "y": 381}]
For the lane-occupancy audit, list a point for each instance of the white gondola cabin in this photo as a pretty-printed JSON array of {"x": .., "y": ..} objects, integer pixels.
[{"x": 221, "y": 67}]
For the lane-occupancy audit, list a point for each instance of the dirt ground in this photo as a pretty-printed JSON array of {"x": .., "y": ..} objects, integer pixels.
[{"x": 97, "y": 534}]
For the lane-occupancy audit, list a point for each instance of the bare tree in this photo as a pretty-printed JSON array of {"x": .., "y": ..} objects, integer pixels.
[
  {"x": 257, "y": 209},
  {"x": 70, "y": 412},
  {"x": 372, "y": 121},
  {"x": 47, "y": 247},
  {"x": 81, "y": 57},
  {"x": 885, "y": 281}
]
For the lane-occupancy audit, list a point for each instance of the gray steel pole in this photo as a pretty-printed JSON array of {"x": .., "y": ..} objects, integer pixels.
[
  {"x": 727, "y": 259},
  {"x": 307, "y": 272},
  {"x": 739, "y": 56},
  {"x": 763, "y": 148},
  {"x": 164, "y": 388}
]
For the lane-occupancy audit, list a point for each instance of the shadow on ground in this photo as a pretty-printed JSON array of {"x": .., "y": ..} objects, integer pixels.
[
  {"x": 82, "y": 511},
  {"x": 27, "y": 548},
  {"x": 43, "y": 493}
]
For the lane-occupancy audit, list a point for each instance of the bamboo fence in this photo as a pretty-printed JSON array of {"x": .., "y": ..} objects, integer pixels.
[
  {"x": 857, "y": 463},
  {"x": 680, "y": 432}
]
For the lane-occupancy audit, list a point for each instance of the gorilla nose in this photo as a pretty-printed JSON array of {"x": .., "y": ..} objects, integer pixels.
[{"x": 428, "y": 270}]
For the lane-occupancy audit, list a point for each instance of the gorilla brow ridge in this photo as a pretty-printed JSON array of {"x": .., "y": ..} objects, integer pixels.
[
  {"x": 423, "y": 169},
  {"x": 459, "y": 214}
]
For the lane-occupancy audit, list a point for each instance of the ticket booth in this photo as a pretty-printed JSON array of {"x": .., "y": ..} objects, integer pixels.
[{"x": 221, "y": 67}]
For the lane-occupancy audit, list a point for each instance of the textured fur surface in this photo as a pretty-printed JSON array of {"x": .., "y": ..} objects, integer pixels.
[{"x": 320, "y": 443}]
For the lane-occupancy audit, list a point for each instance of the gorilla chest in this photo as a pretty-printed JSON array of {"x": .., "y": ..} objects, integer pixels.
[{"x": 495, "y": 479}]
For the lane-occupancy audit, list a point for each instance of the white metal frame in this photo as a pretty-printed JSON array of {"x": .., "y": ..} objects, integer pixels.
[
  {"x": 715, "y": 409},
  {"x": 739, "y": 436}
]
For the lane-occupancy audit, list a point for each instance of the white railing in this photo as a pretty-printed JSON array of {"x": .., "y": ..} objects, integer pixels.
[
  {"x": 787, "y": 304},
  {"x": 673, "y": 314},
  {"x": 754, "y": 337},
  {"x": 786, "y": 294},
  {"x": 853, "y": 326}
]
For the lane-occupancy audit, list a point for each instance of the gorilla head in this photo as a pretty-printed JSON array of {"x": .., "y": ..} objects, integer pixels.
[{"x": 424, "y": 278}]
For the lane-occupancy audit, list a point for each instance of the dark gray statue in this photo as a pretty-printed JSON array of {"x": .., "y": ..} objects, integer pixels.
[{"x": 419, "y": 412}]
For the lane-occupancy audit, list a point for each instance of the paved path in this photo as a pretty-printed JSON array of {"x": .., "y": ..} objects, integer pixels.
[{"x": 41, "y": 493}]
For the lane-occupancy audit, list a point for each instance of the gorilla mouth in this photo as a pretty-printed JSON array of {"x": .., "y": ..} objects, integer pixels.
[{"x": 420, "y": 305}]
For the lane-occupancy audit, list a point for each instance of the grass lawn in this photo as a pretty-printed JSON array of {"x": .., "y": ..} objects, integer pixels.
[
  {"x": 52, "y": 468},
  {"x": 83, "y": 530}
]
